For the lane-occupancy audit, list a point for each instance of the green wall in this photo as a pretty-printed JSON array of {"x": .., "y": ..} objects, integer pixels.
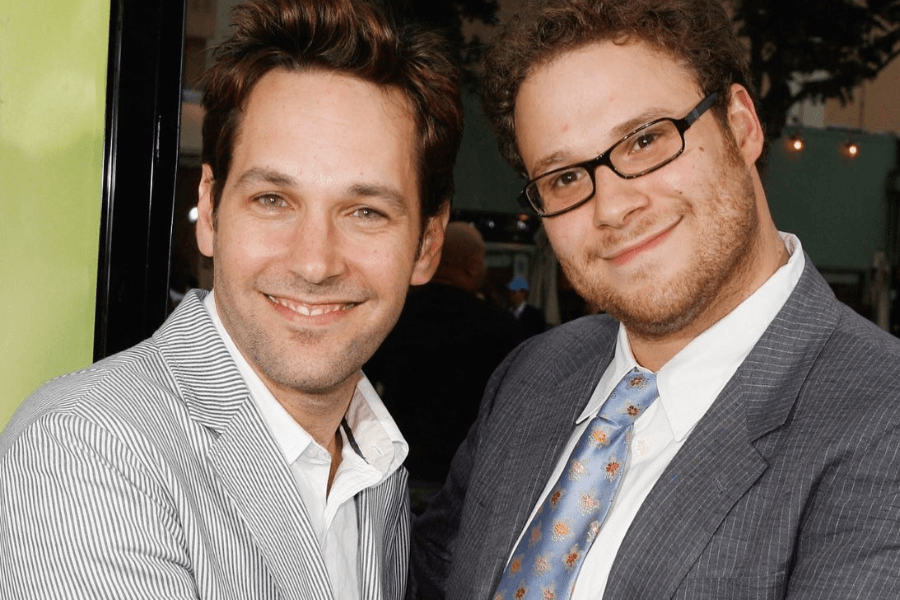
[
  {"x": 836, "y": 205},
  {"x": 53, "y": 56},
  {"x": 483, "y": 180}
]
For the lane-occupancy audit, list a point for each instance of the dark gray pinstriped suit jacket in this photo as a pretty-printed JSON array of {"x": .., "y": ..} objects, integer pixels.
[
  {"x": 789, "y": 487},
  {"x": 152, "y": 475}
]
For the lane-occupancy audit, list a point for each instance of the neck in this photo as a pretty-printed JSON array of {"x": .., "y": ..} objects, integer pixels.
[
  {"x": 320, "y": 415},
  {"x": 654, "y": 352}
]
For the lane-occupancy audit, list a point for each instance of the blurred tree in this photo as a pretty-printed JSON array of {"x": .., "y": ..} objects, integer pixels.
[
  {"x": 449, "y": 16},
  {"x": 815, "y": 50}
]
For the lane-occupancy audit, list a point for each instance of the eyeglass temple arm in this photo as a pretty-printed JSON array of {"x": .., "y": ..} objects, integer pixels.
[
  {"x": 523, "y": 201},
  {"x": 701, "y": 108}
]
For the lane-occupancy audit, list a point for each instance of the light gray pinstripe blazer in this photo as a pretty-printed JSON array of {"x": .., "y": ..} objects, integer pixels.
[
  {"x": 789, "y": 487},
  {"x": 151, "y": 475}
]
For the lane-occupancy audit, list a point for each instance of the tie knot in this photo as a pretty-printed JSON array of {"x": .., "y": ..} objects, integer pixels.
[{"x": 632, "y": 395}]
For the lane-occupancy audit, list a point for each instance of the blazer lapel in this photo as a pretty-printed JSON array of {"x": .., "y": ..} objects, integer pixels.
[
  {"x": 384, "y": 520},
  {"x": 244, "y": 456},
  {"x": 714, "y": 468},
  {"x": 517, "y": 479},
  {"x": 719, "y": 462},
  {"x": 255, "y": 477}
]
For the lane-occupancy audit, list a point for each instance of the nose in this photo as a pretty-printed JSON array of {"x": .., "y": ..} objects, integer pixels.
[
  {"x": 315, "y": 249},
  {"x": 616, "y": 199}
]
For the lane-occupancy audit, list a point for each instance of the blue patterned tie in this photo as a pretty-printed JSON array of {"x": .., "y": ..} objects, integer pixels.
[{"x": 546, "y": 562}]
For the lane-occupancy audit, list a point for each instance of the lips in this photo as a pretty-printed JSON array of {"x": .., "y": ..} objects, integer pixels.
[
  {"x": 630, "y": 252},
  {"x": 312, "y": 310}
]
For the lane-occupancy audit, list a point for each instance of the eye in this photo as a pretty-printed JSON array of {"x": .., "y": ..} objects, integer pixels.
[
  {"x": 367, "y": 213},
  {"x": 270, "y": 201},
  {"x": 567, "y": 178},
  {"x": 643, "y": 141}
]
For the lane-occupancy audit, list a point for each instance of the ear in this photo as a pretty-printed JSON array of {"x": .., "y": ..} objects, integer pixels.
[
  {"x": 744, "y": 124},
  {"x": 206, "y": 228},
  {"x": 430, "y": 249}
]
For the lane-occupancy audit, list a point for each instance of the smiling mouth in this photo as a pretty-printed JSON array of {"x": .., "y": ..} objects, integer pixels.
[
  {"x": 628, "y": 253},
  {"x": 312, "y": 310}
]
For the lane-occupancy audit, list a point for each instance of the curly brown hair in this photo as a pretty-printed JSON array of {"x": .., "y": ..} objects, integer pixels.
[
  {"x": 352, "y": 37},
  {"x": 697, "y": 34}
]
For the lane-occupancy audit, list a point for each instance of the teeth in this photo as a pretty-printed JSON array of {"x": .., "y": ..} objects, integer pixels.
[{"x": 310, "y": 311}]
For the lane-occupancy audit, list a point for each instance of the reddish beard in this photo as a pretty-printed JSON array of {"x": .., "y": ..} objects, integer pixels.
[{"x": 727, "y": 225}]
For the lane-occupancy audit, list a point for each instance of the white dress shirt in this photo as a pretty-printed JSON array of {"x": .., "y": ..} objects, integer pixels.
[
  {"x": 688, "y": 384},
  {"x": 333, "y": 514}
]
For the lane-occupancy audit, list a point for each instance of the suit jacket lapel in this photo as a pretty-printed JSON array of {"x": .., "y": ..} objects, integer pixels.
[
  {"x": 719, "y": 462},
  {"x": 250, "y": 466},
  {"x": 541, "y": 434},
  {"x": 383, "y": 517},
  {"x": 253, "y": 473}
]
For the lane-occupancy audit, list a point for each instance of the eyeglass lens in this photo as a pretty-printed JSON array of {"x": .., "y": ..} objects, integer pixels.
[{"x": 638, "y": 153}]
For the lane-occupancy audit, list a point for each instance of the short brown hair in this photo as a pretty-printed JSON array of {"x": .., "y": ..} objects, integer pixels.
[
  {"x": 352, "y": 37},
  {"x": 696, "y": 33}
]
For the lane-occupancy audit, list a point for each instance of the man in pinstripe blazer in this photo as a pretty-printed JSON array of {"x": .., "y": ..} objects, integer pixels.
[
  {"x": 769, "y": 465},
  {"x": 240, "y": 452}
]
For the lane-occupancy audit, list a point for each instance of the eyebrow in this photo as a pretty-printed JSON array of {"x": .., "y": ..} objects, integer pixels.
[
  {"x": 258, "y": 175},
  {"x": 652, "y": 114},
  {"x": 394, "y": 197},
  {"x": 561, "y": 159},
  {"x": 262, "y": 175}
]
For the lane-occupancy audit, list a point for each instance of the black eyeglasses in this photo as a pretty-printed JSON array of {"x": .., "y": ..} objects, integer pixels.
[{"x": 644, "y": 150}]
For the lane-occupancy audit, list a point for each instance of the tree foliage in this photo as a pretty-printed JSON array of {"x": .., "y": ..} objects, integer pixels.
[{"x": 814, "y": 50}]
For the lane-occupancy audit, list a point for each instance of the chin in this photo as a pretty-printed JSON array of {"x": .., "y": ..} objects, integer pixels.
[{"x": 654, "y": 311}]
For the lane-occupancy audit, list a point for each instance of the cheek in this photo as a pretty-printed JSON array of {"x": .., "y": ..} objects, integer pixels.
[
  {"x": 575, "y": 242},
  {"x": 386, "y": 266},
  {"x": 246, "y": 249}
]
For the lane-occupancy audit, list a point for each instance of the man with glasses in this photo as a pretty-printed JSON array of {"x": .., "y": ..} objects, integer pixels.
[{"x": 729, "y": 429}]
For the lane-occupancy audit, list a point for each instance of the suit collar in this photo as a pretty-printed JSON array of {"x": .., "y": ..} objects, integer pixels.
[
  {"x": 263, "y": 492},
  {"x": 206, "y": 375},
  {"x": 518, "y": 478},
  {"x": 259, "y": 485},
  {"x": 719, "y": 461},
  {"x": 255, "y": 476},
  {"x": 781, "y": 361},
  {"x": 246, "y": 459}
]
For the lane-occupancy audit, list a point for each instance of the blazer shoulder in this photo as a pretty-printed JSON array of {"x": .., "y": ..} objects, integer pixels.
[
  {"x": 100, "y": 388},
  {"x": 574, "y": 342},
  {"x": 861, "y": 358},
  {"x": 854, "y": 329},
  {"x": 574, "y": 349},
  {"x": 145, "y": 386}
]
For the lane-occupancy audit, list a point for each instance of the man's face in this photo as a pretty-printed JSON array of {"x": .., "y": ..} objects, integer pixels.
[
  {"x": 669, "y": 250},
  {"x": 316, "y": 235}
]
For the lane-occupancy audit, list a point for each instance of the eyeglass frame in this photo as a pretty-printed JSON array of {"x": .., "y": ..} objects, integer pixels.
[{"x": 603, "y": 159}]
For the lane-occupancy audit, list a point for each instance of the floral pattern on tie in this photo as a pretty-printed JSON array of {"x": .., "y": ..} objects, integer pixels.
[{"x": 547, "y": 560}]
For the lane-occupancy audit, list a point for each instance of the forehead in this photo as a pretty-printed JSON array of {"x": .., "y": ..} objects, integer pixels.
[
  {"x": 581, "y": 101},
  {"x": 326, "y": 125}
]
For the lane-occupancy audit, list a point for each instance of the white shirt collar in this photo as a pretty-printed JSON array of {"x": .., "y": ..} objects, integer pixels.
[
  {"x": 692, "y": 379},
  {"x": 380, "y": 441}
]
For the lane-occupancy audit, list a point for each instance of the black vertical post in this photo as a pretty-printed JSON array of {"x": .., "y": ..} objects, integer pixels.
[
  {"x": 892, "y": 192},
  {"x": 143, "y": 112}
]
